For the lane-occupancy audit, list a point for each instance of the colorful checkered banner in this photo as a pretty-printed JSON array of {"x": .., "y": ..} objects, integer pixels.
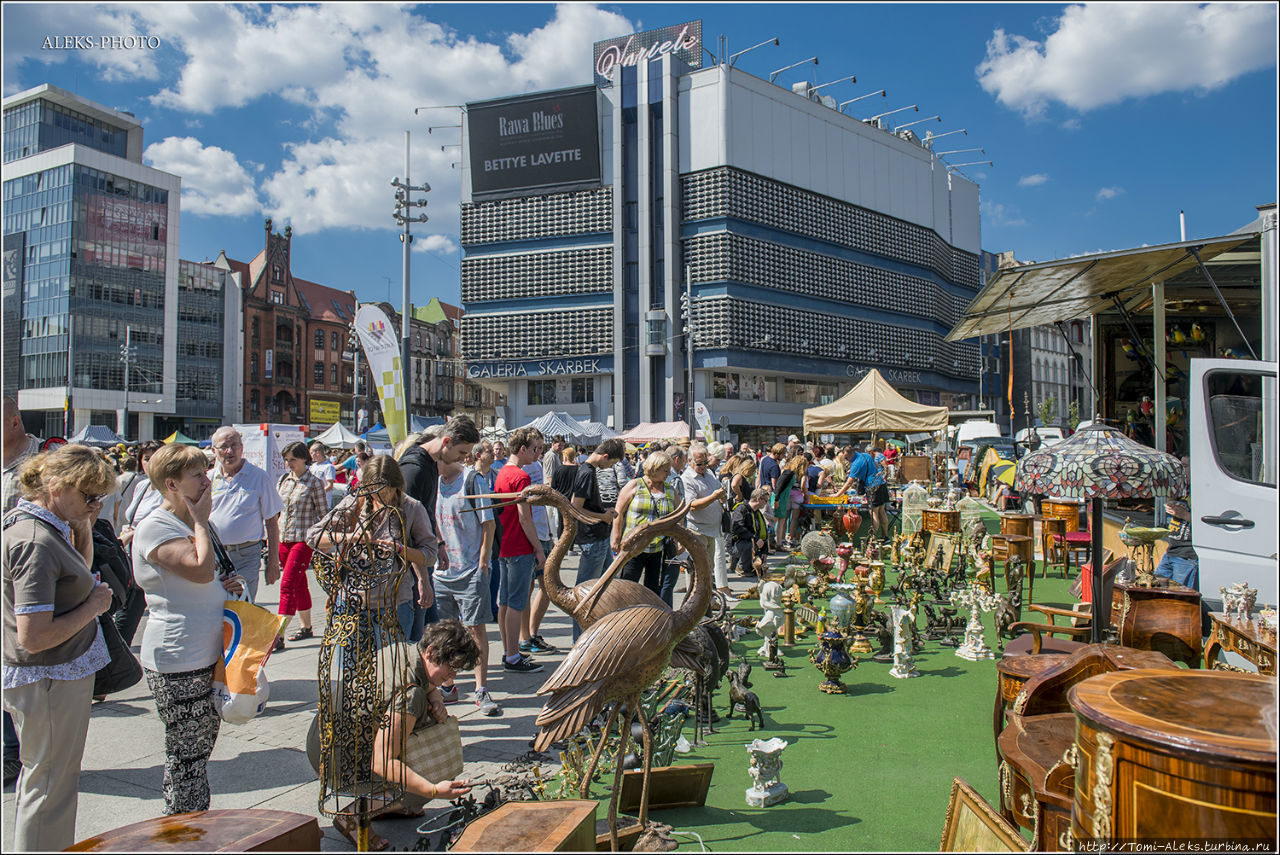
[{"x": 382, "y": 349}]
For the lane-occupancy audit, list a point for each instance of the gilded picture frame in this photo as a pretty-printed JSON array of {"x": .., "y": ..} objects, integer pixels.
[{"x": 973, "y": 825}]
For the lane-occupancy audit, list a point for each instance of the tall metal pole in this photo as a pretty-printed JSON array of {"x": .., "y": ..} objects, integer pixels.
[
  {"x": 688, "y": 349},
  {"x": 406, "y": 374},
  {"x": 124, "y": 413}
]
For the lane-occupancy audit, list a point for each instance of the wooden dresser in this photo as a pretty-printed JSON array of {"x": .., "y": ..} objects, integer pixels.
[
  {"x": 212, "y": 831},
  {"x": 1165, "y": 617},
  {"x": 1245, "y": 638},
  {"x": 1175, "y": 755}
]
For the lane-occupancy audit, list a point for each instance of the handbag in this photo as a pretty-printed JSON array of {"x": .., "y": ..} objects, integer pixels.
[
  {"x": 726, "y": 521},
  {"x": 435, "y": 751},
  {"x": 670, "y": 549},
  {"x": 240, "y": 686},
  {"x": 124, "y": 669}
]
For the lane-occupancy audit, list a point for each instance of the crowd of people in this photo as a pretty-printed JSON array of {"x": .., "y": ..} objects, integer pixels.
[{"x": 194, "y": 529}]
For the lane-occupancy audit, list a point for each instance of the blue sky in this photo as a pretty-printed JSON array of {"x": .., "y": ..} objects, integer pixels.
[{"x": 1102, "y": 121}]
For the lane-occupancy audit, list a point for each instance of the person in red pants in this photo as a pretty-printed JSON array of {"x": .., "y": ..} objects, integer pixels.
[{"x": 305, "y": 502}]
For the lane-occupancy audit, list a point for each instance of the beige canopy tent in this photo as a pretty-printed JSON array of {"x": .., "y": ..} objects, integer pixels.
[{"x": 874, "y": 406}]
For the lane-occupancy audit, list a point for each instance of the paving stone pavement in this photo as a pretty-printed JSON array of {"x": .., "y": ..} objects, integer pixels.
[{"x": 263, "y": 764}]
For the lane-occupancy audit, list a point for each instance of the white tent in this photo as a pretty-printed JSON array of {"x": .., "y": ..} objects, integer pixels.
[
  {"x": 337, "y": 436},
  {"x": 874, "y": 406}
]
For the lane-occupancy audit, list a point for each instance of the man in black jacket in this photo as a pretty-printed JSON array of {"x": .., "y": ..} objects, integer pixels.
[
  {"x": 748, "y": 531},
  {"x": 420, "y": 465}
]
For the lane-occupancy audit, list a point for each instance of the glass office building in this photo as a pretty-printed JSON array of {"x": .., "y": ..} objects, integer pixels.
[
  {"x": 90, "y": 243},
  {"x": 799, "y": 245}
]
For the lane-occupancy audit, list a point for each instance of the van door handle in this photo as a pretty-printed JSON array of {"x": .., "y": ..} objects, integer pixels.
[{"x": 1236, "y": 521}]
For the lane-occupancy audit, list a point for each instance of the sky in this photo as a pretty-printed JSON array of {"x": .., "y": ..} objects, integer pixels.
[{"x": 1101, "y": 121}]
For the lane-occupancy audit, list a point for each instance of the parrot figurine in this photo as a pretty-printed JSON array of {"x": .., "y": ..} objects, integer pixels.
[
  {"x": 1197, "y": 333},
  {"x": 1173, "y": 412},
  {"x": 1176, "y": 335},
  {"x": 1129, "y": 350},
  {"x": 1232, "y": 353},
  {"x": 1173, "y": 373},
  {"x": 1147, "y": 406}
]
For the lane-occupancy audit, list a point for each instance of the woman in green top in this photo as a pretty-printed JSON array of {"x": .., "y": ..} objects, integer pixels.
[{"x": 642, "y": 500}]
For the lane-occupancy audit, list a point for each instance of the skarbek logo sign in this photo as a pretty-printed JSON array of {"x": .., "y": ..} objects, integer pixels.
[
  {"x": 682, "y": 40},
  {"x": 541, "y": 368},
  {"x": 893, "y": 375}
]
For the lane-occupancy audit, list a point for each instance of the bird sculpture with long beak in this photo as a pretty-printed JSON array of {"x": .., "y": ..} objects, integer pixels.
[{"x": 620, "y": 655}]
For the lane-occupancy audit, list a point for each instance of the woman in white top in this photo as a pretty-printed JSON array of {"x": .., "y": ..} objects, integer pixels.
[
  {"x": 322, "y": 468},
  {"x": 173, "y": 560}
]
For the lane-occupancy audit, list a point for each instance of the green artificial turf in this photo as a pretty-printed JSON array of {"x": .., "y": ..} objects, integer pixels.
[{"x": 868, "y": 770}]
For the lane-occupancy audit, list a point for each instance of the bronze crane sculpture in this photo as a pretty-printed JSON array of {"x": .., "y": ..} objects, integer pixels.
[{"x": 622, "y": 654}]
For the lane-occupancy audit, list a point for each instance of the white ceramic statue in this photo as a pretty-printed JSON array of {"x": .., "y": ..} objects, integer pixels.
[
  {"x": 765, "y": 769},
  {"x": 771, "y": 623},
  {"x": 976, "y": 599},
  {"x": 904, "y": 665}
]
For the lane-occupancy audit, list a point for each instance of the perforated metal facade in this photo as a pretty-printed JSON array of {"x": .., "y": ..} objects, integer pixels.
[
  {"x": 537, "y": 335},
  {"x": 538, "y": 217},
  {"x": 727, "y": 192},
  {"x": 737, "y": 324},
  {"x": 735, "y": 258},
  {"x": 537, "y": 274}
]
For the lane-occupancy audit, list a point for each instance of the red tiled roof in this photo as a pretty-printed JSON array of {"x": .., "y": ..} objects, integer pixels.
[
  {"x": 321, "y": 299},
  {"x": 452, "y": 312}
]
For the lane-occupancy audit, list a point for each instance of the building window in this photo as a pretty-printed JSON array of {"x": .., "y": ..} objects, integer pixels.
[
  {"x": 253, "y": 401},
  {"x": 277, "y": 297},
  {"x": 333, "y": 341},
  {"x": 542, "y": 392},
  {"x": 584, "y": 390},
  {"x": 319, "y": 374},
  {"x": 333, "y": 374},
  {"x": 276, "y": 273},
  {"x": 319, "y": 339},
  {"x": 254, "y": 327},
  {"x": 253, "y": 368}
]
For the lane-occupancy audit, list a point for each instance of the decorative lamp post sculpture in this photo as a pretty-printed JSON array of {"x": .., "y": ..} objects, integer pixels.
[{"x": 1099, "y": 462}]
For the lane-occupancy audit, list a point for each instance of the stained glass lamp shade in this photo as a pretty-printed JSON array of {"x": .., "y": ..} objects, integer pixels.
[{"x": 1099, "y": 462}]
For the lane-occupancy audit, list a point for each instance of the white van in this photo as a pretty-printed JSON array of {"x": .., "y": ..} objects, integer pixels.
[
  {"x": 976, "y": 430},
  {"x": 1233, "y": 475},
  {"x": 1048, "y": 435}
]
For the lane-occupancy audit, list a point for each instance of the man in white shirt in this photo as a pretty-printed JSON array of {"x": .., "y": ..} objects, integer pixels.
[
  {"x": 322, "y": 468},
  {"x": 245, "y": 505}
]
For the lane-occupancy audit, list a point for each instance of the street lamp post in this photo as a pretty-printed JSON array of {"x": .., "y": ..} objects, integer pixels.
[
  {"x": 403, "y": 217},
  {"x": 126, "y": 356}
]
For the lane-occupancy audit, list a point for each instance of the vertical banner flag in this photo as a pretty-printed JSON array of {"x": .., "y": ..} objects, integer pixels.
[
  {"x": 703, "y": 416},
  {"x": 382, "y": 349}
]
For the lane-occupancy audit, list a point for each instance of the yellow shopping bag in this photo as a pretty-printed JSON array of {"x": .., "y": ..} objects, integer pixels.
[{"x": 240, "y": 687}]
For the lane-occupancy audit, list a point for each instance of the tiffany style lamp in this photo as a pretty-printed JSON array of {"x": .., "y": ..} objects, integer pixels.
[{"x": 1099, "y": 462}]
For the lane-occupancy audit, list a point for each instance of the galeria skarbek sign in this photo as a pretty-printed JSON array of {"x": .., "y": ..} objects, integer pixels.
[
  {"x": 683, "y": 41},
  {"x": 540, "y": 368}
]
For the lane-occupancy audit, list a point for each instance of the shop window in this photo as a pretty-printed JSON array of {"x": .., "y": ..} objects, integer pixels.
[
  {"x": 584, "y": 390},
  {"x": 542, "y": 392}
]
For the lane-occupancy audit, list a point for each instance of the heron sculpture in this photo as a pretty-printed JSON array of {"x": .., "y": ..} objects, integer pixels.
[{"x": 628, "y": 641}]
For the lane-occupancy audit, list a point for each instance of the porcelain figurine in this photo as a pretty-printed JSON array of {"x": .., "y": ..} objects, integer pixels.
[
  {"x": 904, "y": 666},
  {"x": 766, "y": 770},
  {"x": 977, "y": 599}
]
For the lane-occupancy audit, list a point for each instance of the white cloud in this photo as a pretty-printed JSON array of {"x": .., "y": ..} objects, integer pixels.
[
  {"x": 1072, "y": 124},
  {"x": 30, "y": 27},
  {"x": 213, "y": 181},
  {"x": 1034, "y": 180},
  {"x": 1109, "y": 193},
  {"x": 437, "y": 243},
  {"x": 997, "y": 214},
  {"x": 1102, "y": 54}
]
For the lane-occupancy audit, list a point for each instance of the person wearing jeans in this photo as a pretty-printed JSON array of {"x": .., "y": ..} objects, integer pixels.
[
  {"x": 705, "y": 495},
  {"x": 643, "y": 500}
]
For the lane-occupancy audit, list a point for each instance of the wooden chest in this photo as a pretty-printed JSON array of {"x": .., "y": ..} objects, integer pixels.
[
  {"x": 212, "y": 831},
  {"x": 1023, "y": 524},
  {"x": 1164, "y": 618},
  {"x": 939, "y": 520},
  {"x": 1067, "y": 510},
  {"x": 1175, "y": 755},
  {"x": 563, "y": 825}
]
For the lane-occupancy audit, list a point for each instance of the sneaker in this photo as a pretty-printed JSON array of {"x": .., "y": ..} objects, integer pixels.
[
  {"x": 450, "y": 694},
  {"x": 486, "y": 704},
  {"x": 537, "y": 645},
  {"x": 279, "y": 645},
  {"x": 524, "y": 666},
  {"x": 527, "y": 646}
]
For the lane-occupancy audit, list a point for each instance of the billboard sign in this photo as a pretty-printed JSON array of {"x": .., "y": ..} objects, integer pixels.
[
  {"x": 324, "y": 412},
  {"x": 683, "y": 41},
  {"x": 534, "y": 144}
]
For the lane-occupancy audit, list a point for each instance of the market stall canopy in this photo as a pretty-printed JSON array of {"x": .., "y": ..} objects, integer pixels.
[
  {"x": 420, "y": 423},
  {"x": 97, "y": 436},
  {"x": 558, "y": 424},
  {"x": 874, "y": 406},
  {"x": 180, "y": 438},
  {"x": 336, "y": 436},
  {"x": 651, "y": 431},
  {"x": 1029, "y": 295},
  {"x": 377, "y": 433}
]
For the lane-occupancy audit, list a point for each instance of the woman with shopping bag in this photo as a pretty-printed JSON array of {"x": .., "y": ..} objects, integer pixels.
[
  {"x": 174, "y": 562},
  {"x": 418, "y": 747}
]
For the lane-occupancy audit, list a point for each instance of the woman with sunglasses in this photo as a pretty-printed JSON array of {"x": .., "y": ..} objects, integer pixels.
[
  {"x": 52, "y": 641},
  {"x": 175, "y": 563}
]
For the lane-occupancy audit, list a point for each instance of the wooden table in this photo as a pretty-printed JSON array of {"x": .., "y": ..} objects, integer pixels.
[
  {"x": 1011, "y": 523},
  {"x": 1245, "y": 638},
  {"x": 1165, "y": 617},
  {"x": 1036, "y": 782},
  {"x": 1175, "y": 755},
  {"x": 212, "y": 831},
  {"x": 1012, "y": 673}
]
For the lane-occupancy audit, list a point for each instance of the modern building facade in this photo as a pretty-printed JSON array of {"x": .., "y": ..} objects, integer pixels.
[
  {"x": 811, "y": 247},
  {"x": 91, "y": 258}
]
